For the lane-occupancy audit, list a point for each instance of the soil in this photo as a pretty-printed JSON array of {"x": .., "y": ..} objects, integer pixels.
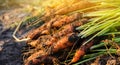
[{"x": 10, "y": 50}]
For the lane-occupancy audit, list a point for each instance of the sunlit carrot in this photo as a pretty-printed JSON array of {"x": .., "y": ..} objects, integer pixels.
[
  {"x": 65, "y": 3},
  {"x": 82, "y": 4}
]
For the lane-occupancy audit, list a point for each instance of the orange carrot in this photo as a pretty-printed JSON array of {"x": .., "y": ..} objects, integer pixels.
[
  {"x": 64, "y": 42},
  {"x": 67, "y": 19},
  {"x": 44, "y": 29},
  {"x": 69, "y": 28},
  {"x": 39, "y": 42},
  {"x": 33, "y": 56},
  {"x": 34, "y": 34},
  {"x": 51, "y": 41},
  {"x": 81, "y": 51},
  {"x": 77, "y": 55}
]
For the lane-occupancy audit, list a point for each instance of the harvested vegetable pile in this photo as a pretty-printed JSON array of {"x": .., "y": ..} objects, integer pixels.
[{"x": 74, "y": 33}]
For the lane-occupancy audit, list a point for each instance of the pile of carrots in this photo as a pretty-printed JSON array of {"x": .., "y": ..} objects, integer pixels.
[{"x": 73, "y": 28}]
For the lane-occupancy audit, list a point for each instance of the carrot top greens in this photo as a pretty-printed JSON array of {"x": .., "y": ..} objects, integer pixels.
[{"x": 105, "y": 20}]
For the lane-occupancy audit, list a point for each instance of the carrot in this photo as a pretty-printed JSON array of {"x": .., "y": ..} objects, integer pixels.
[
  {"x": 51, "y": 41},
  {"x": 33, "y": 56},
  {"x": 34, "y": 34},
  {"x": 40, "y": 41},
  {"x": 69, "y": 28},
  {"x": 77, "y": 55},
  {"x": 64, "y": 30},
  {"x": 81, "y": 51},
  {"x": 37, "y": 32},
  {"x": 43, "y": 60},
  {"x": 44, "y": 29},
  {"x": 64, "y": 42},
  {"x": 66, "y": 20},
  {"x": 82, "y": 4}
]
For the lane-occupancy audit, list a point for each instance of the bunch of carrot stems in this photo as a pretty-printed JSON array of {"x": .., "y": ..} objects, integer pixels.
[{"x": 104, "y": 21}]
